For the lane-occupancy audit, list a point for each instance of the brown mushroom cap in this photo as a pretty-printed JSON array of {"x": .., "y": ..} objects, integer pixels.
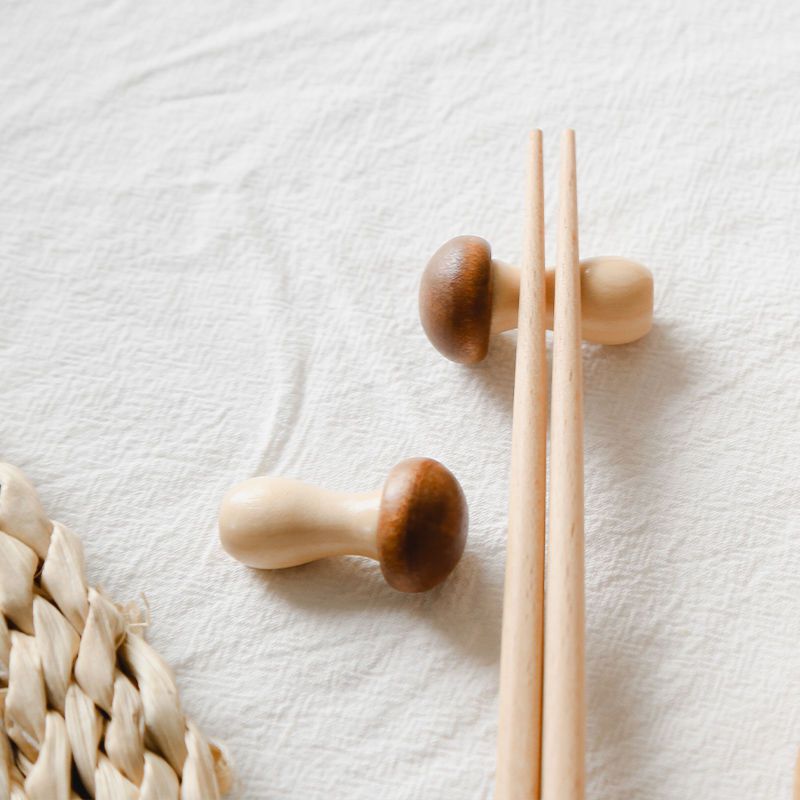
[
  {"x": 455, "y": 299},
  {"x": 422, "y": 525}
]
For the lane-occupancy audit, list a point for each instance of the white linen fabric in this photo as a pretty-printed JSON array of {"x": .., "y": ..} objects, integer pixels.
[{"x": 213, "y": 218}]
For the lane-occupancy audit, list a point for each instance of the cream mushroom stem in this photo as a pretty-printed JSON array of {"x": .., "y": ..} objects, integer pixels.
[
  {"x": 616, "y": 297},
  {"x": 272, "y": 523}
]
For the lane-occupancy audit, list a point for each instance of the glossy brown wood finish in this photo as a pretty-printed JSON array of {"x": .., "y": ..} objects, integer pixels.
[
  {"x": 422, "y": 525},
  {"x": 455, "y": 299}
]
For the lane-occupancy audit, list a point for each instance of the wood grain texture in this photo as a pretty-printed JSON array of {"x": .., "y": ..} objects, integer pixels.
[
  {"x": 422, "y": 525},
  {"x": 564, "y": 715},
  {"x": 455, "y": 299},
  {"x": 519, "y": 732}
]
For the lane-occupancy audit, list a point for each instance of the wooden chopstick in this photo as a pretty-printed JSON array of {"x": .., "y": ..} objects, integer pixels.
[
  {"x": 519, "y": 730},
  {"x": 797, "y": 778},
  {"x": 564, "y": 712}
]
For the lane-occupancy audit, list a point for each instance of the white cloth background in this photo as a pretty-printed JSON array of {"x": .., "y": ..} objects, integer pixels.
[{"x": 213, "y": 218}]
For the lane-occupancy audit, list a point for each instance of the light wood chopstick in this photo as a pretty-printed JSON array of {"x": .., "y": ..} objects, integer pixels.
[
  {"x": 797, "y": 778},
  {"x": 564, "y": 711},
  {"x": 519, "y": 731}
]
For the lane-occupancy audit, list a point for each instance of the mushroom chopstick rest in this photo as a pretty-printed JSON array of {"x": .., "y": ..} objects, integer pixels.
[
  {"x": 415, "y": 525},
  {"x": 466, "y": 296}
]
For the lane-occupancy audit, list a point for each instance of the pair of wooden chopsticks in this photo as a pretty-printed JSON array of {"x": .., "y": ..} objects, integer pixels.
[{"x": 541, "y": 736}]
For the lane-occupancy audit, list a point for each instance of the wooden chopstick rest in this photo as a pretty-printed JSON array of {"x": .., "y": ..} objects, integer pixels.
[
  {"x": 415, "y": 525},
  {"x": 466, "y": 296}
]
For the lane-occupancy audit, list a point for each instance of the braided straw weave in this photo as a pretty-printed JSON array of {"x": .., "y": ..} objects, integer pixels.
[{"x": 87, "y": 707}]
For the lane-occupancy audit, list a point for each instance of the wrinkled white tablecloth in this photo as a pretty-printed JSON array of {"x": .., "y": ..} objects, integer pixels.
[{"x": 213, "y": 217}]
